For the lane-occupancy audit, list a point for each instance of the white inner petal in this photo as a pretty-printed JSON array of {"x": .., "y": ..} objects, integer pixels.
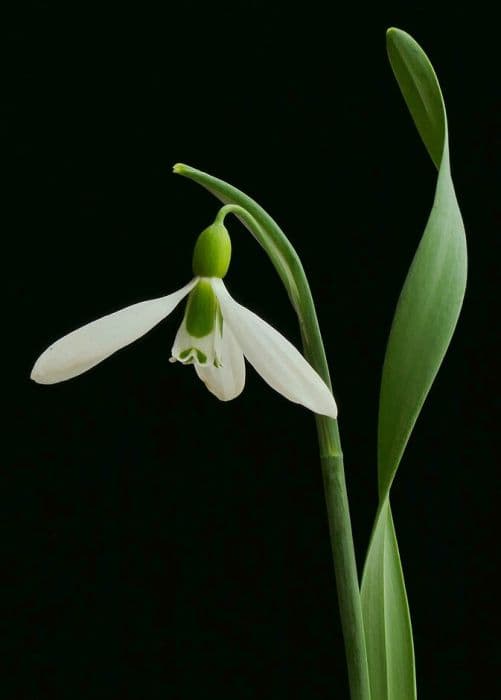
[{"x": 189, "y": 349}]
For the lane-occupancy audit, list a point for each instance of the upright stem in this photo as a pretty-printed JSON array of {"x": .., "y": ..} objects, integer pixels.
[
  {"x": 343, "y": 553},
  {"x": 336, "y": 495},
  {"x": 289, "y": 267}
]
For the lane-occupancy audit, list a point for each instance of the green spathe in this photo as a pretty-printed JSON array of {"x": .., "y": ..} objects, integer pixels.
[
  {"x": 201, "y": 310},
  {"x": 212, "y": 254}
]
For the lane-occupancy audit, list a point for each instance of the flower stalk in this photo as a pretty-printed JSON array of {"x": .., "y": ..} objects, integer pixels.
[{"x": 291, "y": 272}]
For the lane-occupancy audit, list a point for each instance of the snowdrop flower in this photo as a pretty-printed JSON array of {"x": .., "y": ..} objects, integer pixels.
[{"x": 215, "y": 335}]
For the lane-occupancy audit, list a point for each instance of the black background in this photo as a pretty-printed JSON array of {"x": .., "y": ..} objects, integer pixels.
[{"x": 157, "y": 541}]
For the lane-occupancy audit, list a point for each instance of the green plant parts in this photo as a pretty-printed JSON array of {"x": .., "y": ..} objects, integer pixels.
[
  {"x": 290, "y": 270},
  {"x": 201, "y": 310},
  {"x": 212, "y": 254},
  {"x": 218, "y": 335},
  {"x": 425, "y": 317}
]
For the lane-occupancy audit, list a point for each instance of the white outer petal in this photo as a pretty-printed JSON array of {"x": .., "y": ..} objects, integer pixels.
[
  {"x": 227, "y": 381},
  {"x": 85, "y": 347},
  {"x": 279, "y": 363}
]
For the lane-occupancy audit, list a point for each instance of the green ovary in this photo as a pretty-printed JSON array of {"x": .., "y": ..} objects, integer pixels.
[{"x": 212, "y": 253}]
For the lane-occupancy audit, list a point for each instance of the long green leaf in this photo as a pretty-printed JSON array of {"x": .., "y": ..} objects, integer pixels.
[{"x": 425, "y": 318}]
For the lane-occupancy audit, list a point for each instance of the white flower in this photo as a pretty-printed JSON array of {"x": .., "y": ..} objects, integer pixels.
[{"x": 215, "y": 335}]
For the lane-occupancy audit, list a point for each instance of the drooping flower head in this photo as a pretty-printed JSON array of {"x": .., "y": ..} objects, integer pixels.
[{"x": 215, "y": 335}]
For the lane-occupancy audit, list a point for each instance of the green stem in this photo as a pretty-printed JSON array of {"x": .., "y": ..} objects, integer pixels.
[{"x": 291, "y": 272}]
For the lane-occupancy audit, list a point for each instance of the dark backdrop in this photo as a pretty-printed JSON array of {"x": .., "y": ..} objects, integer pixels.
[{"x": 160, "y": 542}]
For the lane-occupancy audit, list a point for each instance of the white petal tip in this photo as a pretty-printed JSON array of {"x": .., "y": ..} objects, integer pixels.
[
  {"x": 45, "y": 371},
  {"x": 332, "y": 413},
  {"x": 324, "y": 405},
  {"x": 41, "y": 377},
  {"x": 34, "y": 376}
]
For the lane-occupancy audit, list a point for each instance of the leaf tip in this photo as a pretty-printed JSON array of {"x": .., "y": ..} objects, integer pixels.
[
  {"x": 393, "y": 35},
  {"x": 179, "y": 168}
]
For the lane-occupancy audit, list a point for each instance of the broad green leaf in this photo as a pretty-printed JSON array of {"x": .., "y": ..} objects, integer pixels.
[{"x": 425, "y": 318}]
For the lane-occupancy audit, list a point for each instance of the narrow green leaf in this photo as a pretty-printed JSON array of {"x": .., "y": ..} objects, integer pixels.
[
  {"x": 425, "y": 318},
  {"x": 386, "y": 616},
  {"x": 431, "y": 299}
]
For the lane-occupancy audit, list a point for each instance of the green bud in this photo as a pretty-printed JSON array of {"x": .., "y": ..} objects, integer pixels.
[
  {"x": 212, "y": 254},
  {"x": 201, "y": 310}
]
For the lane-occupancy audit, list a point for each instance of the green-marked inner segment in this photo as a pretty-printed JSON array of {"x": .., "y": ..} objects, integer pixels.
[{"x": 201, "y": 310}]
